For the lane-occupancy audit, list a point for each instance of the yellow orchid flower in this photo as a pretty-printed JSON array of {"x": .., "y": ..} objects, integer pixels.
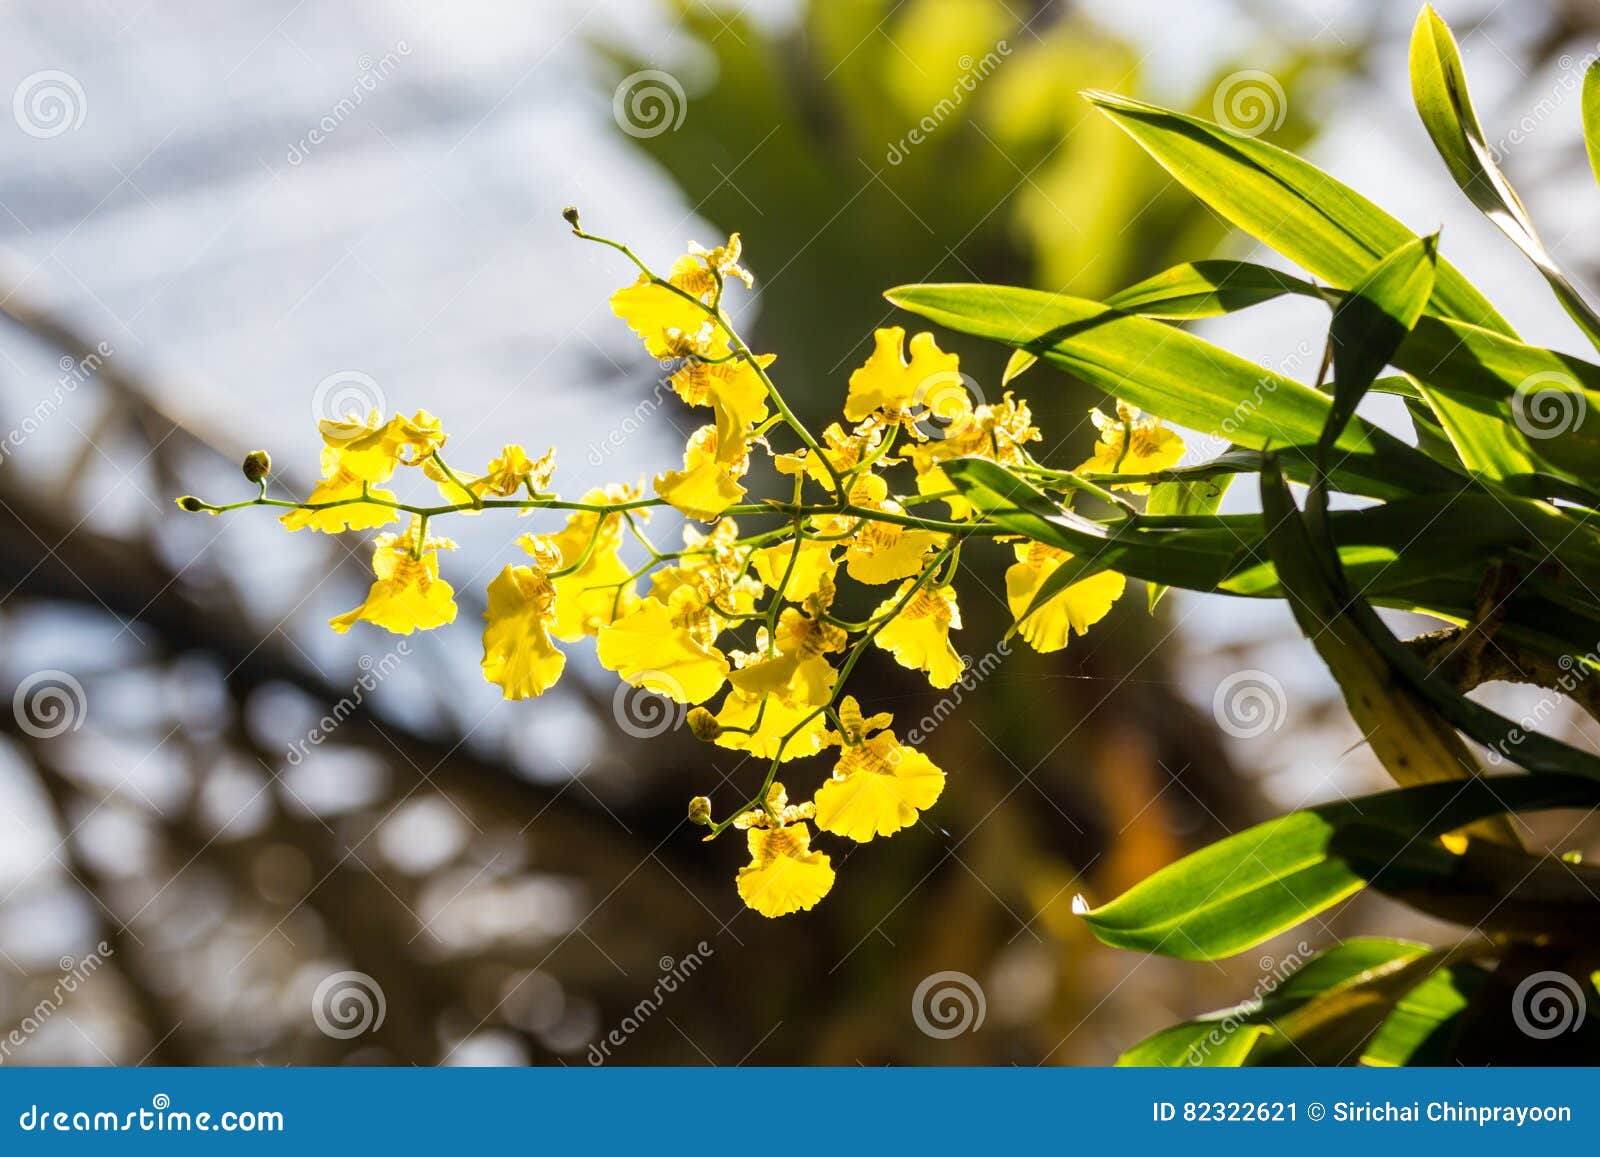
[
  {"x": 360, "y": 452},
  {"x": 502, "y": 478},
  {"x": 733, "y": 390},
  {"x": 708, "y": 483},
  {"x": 889, "y": 384},
  {"x": 878, "y": 785},
  {"x": 919, "y": 636},
  {"x": 647, "y": 649},
  {"x": 408, "y": 594},
  {"x": 766, "y": 703},
  {"x": 784, "y": 875},
  {"x": 655, "y": 311},
  {"x": 371, "y": 449},
  {"x": 518, "y": 654},
  {"x": 1074, "y": 608},
  {"x": 1131, "y": 444},
  {"x": 882, "y": 552},
  {"x": 714, "y": 575}
]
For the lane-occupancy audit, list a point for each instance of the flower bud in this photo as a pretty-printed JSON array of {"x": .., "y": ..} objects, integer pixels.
[
  {"x": 703, "y": 725},
  {"x": 192, "y": 504},
  {"x": 257, "y": 465},
  {"x": 571, "y": 215},
  {"x": 700, "y": 811}
]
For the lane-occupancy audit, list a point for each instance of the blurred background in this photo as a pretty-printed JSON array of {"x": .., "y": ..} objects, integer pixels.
[{"x": 229, "y": 836}]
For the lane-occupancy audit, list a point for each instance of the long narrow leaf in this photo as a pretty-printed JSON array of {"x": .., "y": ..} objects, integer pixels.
[
  {"x": 1369, "y": 325},
  {"x": 1235, "y": 893},
  {"x": 1439, "y": 87}
]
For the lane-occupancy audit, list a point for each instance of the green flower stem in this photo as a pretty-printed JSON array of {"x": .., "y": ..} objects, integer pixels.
[{"x": 477, "y": 499}]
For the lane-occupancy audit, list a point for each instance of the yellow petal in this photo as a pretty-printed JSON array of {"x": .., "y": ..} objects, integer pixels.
[
  {"x": 703, "y": 491},
  {"x": 517, "y": 652},
  {"x": 783, "y": 875},
  {"x": 647, "y": 650},
  {"x": 919, "y": 636},
  {"x": 813, "y": 563},
  {"x": 888, "y": 382},
  {"x": 652, "y": 310},
  {"x": 402, "y": 607},
  {"x": 877, "y": 789},
  {"x": 354, "y": 516},
  {"x": 772, "y": 715},
  {"x": 1075, "y": 608},
  {"x": 882, "y": 552}
]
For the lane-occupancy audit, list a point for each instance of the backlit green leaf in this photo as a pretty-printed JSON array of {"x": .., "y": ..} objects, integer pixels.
[{"x": 1251, "y": 886}]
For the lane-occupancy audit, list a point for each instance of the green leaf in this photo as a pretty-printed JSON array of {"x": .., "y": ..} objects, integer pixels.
[
  {"x": 1235, "y": 893},
  {"x": 1174, "y": 374},
  {"x": 1439, "y": 87},
  {"x": 1370, "y": 323},
  {"x": 1206, "y": 289},
  {"x": 1535, "y": 409},
  {"x": 1255, "y": 1031},
  {"x": 1419, "y": 1031},
  {"x": 1020, "y": 362},
  {"x": 1334, "y": 1026},
  {"x": 1225, "y": 1038},
  {"x": 1500, "y": 891},
  {"x": 1408, "y": 553},
  {"x": 1319, "y": 223},
  {"x": 1591, "y": 117}
]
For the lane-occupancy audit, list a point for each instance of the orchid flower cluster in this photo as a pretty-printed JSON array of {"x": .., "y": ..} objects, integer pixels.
[{"x": 760, "y": 618}]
